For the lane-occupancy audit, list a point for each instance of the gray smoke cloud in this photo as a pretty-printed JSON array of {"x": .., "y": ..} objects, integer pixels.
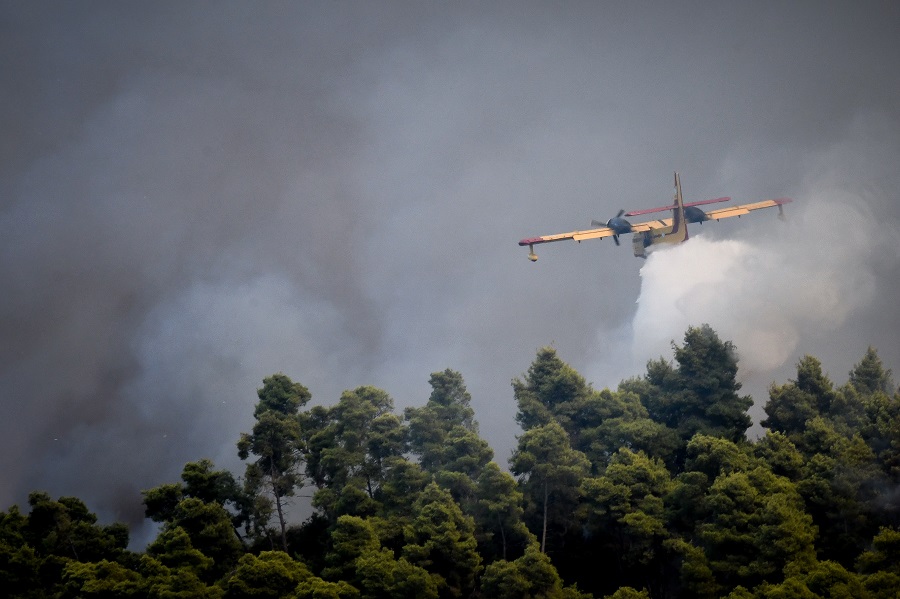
[
  {"x": 774, "y": 284},
  {"x": 194, "y": 197},
  {"x": 780, "y": 290}
]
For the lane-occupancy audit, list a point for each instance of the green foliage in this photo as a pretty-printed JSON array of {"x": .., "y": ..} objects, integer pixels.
[
  {"x": 20, "y": 570},
  {"x": 163, "y": 582},
  {"x": 782, "y": 456},
  {"x": 352, "y": 537},
  {"x": 549, "y": 384},
  {"x": 531, "y": 575},
  {"x": 700, "y": 395},
  {"x": 789, "y": 409},
  {"x": 173, "y": 548},
  {"x": 695, "y": 578},
  {"x": 647, "y": 491},
  {"x": 349, "y": 456},
  {"x": 271, "y": 575},
  {"x": 790, "y": 406},
  {"x": 441, "y": 540},
  {"x": 838, "y": 483},
  {"x": 629, "y": 593},
  {"x": 623, "y": 511},
  {"x": 848, "y": 439},
  {"x": 200, "y": 481},
  {"x": 275, "y": 441},
  {"x": 279, "y": 394},
  {"x": 160, "y": 502},
  {"x": 880, "y": 565},
  {"x": 198, "y": 529},
  {"x": 358, "y": 558},
  {"x": 870, "y": 376},
  {"x": 619, "y": 420},
  {"x": 550, "y": 473},
  {"x": 707, "y": 401},
  {"x": 505, "y": 580},
  {"x": 444, "y": 435},
  {"x": 825, "y": 580},
  {"x": 881, "y": 431},
  {"x": 597, "y": 423},
  {"x": 37, "y": 549},
  {"x": 714, "y": 456},
  {"x": 448, "y": 409},
  {"x": 757, "y": 527},
  {"x": 402, "y": 481},
  {"x": 103, "y": 579},
  {"x": 688, "y": 504},
  {"x": 209, "y": 485},
  {"x": 380, "y": 575},
  {"x": 65, "y": 528},
  {"x": 498, "y": 515},
  {"x": 316, "y": 588},
  {"x": 884, "y": 554}
]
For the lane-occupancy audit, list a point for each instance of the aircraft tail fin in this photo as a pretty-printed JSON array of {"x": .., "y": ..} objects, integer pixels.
[{"x": 679, "y": 222}]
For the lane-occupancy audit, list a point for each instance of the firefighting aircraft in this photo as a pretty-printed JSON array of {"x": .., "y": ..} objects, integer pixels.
[{"x": 656, "y": 232}]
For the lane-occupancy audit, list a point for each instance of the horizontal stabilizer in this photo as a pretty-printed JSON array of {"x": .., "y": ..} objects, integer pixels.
[{"x": 672, "y": 207}]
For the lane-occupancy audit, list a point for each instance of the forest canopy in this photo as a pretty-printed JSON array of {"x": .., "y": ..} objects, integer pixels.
[{"x": 649, "y": 490}]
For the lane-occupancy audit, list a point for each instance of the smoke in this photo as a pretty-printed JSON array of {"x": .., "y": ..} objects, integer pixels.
[
  {"x": 160, "y": 251},
  {"x": 778, "y": 290},
  {"x": 764, "y": 296},
  {"x": 191, "y": 200}
]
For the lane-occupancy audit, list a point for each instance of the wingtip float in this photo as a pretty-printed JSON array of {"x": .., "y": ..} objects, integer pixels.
[{"x": 656, "y": 232}]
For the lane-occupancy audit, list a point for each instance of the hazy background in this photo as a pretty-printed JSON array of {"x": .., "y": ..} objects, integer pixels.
[{"x": 196, "y": 195}]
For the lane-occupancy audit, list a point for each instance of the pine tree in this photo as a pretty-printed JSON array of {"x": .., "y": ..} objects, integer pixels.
[{"x": 275, "y": 440}]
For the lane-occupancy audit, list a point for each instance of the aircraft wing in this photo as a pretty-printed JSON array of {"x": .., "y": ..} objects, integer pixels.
[
  {"x": 745, "y": 208},
  {"x": 600, "y": 233},
  {"x": 576, "y": 235}
]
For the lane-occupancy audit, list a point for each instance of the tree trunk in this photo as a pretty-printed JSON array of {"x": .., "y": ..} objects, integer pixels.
[
  {"x": 278, "y": 508},
  {"x": 281, "y": 521},
  {"x": 544, "y": 535},
  {"x": 502, "y": 535}
]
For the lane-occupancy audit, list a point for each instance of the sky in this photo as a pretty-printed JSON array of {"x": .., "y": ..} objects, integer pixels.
[{"x": 194, "y": 196}]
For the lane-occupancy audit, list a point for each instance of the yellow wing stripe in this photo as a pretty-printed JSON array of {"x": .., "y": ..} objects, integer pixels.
[
  {"x": 727, "y": 212},
  {"x": 593, "y": 234},
  {"x": 653, "y": 225},
  {"x": 741, "y": 210}
]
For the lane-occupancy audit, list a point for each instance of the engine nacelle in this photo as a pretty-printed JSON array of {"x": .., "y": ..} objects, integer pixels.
[
  {"x": 694, "y": 215},
  {"x": 619, "y": 225}
]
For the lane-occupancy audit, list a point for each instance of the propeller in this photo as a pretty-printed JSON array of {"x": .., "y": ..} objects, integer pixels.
[{"x": 616, "y": 223}]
